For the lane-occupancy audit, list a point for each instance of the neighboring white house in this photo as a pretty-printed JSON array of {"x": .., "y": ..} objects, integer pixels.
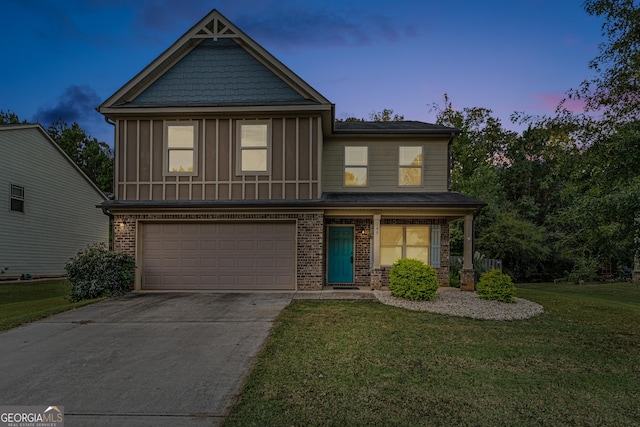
[{"x": 47, "y": 205}]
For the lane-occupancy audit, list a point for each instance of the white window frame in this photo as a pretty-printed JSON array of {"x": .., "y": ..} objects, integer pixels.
[
  {"x": 404, "y": 244},
  {"x": 355, "y": 165},
  {"x": 242, "y": 149},
  {"x": 16, "y": 193},
  {"x": 402, "y": 166},
  {"x": 168, "y": 149}
]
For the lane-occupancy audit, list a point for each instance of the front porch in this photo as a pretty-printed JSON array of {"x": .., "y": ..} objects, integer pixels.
[{"x": 358, "y": 249}]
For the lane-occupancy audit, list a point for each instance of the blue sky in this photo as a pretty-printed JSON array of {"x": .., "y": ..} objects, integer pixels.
[{"x": 61, "y": 59}]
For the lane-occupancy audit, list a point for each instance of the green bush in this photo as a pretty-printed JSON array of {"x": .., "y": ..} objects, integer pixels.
[
  {"x": 98, "y": 272},
  {"x": 496, "y": 286},
  {"x": 413, "y": 279}
]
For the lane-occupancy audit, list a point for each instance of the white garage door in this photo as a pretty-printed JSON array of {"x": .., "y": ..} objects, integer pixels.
[{"x": 217, "y": 256}]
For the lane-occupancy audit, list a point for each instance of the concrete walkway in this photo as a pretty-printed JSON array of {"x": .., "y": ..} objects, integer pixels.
[{"x": 146, "y": 359}]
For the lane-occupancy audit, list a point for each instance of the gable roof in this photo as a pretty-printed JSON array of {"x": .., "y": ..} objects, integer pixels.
[
  {"x": 214, "y": 66},
  {"x": 45, "y": 135}
]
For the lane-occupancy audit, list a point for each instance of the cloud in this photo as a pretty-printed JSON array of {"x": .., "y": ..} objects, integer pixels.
[
  {"x": 75, "y": 104},
  {"x": 286, "y": 23},
  {"x": 306, "y": 26},
  {"x": 550, "y": 101}
]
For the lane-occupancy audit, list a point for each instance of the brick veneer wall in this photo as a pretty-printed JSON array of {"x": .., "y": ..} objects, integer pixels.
[
  {"x": 310, "y": 228},
  {"x": 362, "y": 249}
]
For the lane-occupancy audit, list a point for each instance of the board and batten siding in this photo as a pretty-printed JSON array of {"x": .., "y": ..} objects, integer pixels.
[
  {"x": 294, "y": 168},
  {"x": 383, "y": 165},
  {"x": 60, "y": 216}
]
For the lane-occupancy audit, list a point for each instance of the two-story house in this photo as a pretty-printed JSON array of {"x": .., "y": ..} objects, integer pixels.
[{"x": 232, "y": 173}]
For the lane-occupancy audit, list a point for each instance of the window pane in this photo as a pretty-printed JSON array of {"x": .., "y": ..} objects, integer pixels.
[
  {"x": 418, "y": 236},
  {"x": 180, "y": 136},
  {"x": 355, "y": 156},
  {"x": 180, "y": 160},
  {"x": 419, "y": 253},
  {"x": 391, "y": 235},
  {"x": 253, "y": 136},
  {"x": 390, "y": 254},
  {"x": 410, "y": 156},
  {"x": 17, "y": 191},
  {"x": 17, "y": 205},
  {"x": 410, "y": 176},
  {"x": 254, "y": 160},
  {"x": 356, "y": 177}
]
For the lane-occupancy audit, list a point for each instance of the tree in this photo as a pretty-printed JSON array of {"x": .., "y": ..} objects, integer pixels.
[
  {"x": 9, "y": 118},
  {"x": 92, "y": 156},
  {"x": 616, "y": 88},
  {"x": 386, "y": 115}
]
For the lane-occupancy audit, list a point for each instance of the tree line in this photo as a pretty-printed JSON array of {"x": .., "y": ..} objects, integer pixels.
[{"x": 562, "y": 195}]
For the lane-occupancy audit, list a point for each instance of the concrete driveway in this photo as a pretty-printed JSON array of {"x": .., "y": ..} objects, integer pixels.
[{"x": 161, "y": 359}]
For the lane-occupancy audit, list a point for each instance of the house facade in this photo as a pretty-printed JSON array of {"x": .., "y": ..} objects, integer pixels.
[
  {"x": 232, "y": 173},
  {"x": 48, "y": 205}
]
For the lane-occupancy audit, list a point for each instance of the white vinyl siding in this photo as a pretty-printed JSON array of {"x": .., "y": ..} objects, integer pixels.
[{"x": 60, "y": 217}]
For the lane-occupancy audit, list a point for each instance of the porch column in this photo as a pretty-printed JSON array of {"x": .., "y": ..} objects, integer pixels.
[
  {"x": 636, "y": 255},
  {"x": 376, "y": 271},
  {"x": 467, "y": 274}
]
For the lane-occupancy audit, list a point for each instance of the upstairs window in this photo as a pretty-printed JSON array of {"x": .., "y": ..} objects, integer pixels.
[
  {"x": 410, "y": 167},
  {"x": 17, "y": 198},
  {"x": 356, "y": 165},
  {"x": 181, "y": 148},
  {"x": 253, "y": 147}
]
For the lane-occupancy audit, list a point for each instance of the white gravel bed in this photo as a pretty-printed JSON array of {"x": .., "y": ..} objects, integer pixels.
[{"x": 454, "y": 302}]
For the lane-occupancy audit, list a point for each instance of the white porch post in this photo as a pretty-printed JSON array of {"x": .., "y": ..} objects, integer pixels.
[
  {"x": 376, "y": 271},
  {"x": 636, "y": 255},
  {"x": 467, "y": 274},
  {"x": 376, "y": 241}
]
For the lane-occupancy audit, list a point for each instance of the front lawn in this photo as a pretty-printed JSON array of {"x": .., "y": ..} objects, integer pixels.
[
  {"x": 343, "y": 363},
  {"x": 25, "y": 302}
]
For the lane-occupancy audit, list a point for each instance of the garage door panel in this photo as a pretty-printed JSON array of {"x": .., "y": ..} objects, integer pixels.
[{"x": 194, "y": 255}]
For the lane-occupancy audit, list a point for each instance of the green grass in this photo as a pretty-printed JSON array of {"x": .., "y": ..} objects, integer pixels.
[
  {"x": 26, "y": 302},
  {"x": 355, "y": 363}
]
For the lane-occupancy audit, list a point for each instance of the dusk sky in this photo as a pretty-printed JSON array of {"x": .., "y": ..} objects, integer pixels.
[{"x": 61, "y": 59}]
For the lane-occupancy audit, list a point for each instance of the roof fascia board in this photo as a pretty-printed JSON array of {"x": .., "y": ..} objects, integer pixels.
[{"x": 128, "y": 111}]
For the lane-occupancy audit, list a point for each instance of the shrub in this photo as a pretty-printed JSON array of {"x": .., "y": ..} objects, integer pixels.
[
  {"x": 98, "y": 272},
  {"x": 496, "y": 286},
  {"x": 413, "y": 279}
]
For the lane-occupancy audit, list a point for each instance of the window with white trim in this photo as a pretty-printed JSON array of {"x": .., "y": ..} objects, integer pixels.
[
  {"x": 410, "y": 167},
  {"x": 181, "y": 148},
  {"x": 17, "y": 198},
  {"x": 254, "y": 144},
  {"x": 404, "y": 241},
  {"x": 356, "y": 166}
]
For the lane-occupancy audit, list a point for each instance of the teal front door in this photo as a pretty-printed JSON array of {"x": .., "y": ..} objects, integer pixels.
[{"x": 340, "y": 254}]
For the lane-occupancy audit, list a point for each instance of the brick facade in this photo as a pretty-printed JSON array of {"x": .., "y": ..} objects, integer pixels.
[
  {"x": 311, "y": 242},
  {"x": 365, "y": 275},
  {"x": 309, "y": 230}
]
